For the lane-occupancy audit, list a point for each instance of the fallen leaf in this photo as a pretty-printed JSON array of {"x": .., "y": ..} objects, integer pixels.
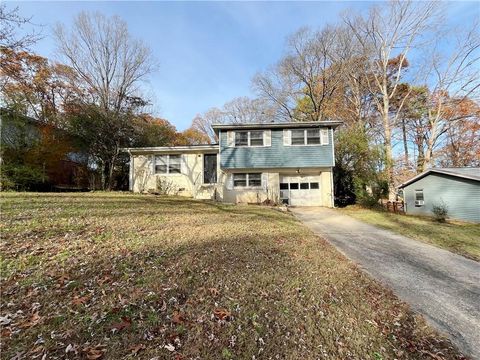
[
  {"x": 178, "y": 317},
  {"x": 213, "y": 291},
  {"x": 222, "y": 314},
  {"x": 119, "y": 326},
  {"x": 34, "y": 319},
  {"x": 94, "y": 353},
  {"x": 77, "y": 300},
  {"x": 137, "y": 348}
]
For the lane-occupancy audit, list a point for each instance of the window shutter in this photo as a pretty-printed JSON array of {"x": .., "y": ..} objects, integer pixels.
[
  {"x": 265, "y": 181},
  {"x": 230, "y": 138},
  {"x": 324, "y": 137},
  {"x": 152, "y": 163},
  {"x": 287, "y": 137},
  {"x": 229, "y": 181},
  {"x": 183, "y": 164},
  {"x": 267, "y": 137}
]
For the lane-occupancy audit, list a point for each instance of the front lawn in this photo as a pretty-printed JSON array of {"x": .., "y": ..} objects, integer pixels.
[
  {"x": 458, "y": 237},
  {"x": 108, "y": 275}
]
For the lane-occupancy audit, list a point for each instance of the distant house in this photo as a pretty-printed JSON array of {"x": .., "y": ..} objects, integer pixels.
[
  {"x": 457, "y": 188},
  {"x": 289, "y": 163}
]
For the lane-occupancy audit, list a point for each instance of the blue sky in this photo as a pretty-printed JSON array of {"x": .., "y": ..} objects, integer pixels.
[{"x": 208, "y": 51}]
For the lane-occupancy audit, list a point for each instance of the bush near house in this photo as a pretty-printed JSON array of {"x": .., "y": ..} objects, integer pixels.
[{"x": 108, "y": 275}]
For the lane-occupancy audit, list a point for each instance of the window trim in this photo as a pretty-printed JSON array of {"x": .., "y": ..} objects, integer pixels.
[
  {"x": 167, "y": 165},
  {"x": 248, "y": 138},
  {"x": 305, "y": 137},
  {"x": 247, "y": 180}
]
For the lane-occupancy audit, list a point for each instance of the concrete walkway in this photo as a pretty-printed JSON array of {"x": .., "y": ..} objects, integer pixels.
[{"x": 442, "y": 286}]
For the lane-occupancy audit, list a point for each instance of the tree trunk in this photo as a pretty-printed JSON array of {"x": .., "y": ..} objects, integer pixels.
[
  {"x": 405, "y": 144},
  {"x": 389, "y": 157},
  {"x": 421, "y": 153}
]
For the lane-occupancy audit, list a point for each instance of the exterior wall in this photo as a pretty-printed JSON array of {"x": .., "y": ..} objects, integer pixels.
[
  {"x": 268, "y": 190},
  {"x": 189, "y": 183},
  {"x": 277, "y": 155},
  {"x": 462, "y": 196},
  {"x": 271, "y": 188}
]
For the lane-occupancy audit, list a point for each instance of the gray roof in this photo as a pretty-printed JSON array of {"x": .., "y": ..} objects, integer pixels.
[
  {"x": 277, "y": 125},
  {"x": 471, "y": 173}
]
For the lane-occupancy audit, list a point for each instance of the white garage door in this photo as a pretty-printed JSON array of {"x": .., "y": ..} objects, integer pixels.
[{"x": 301, "y": 190}]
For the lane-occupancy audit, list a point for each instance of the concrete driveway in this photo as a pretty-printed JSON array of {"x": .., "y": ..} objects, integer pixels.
[{"x": 442, "y": 286}]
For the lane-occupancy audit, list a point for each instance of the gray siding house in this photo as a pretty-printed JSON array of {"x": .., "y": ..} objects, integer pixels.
[{"x": 457, "y": 188}]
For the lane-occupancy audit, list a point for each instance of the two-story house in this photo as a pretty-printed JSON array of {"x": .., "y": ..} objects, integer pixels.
[{"x": 288, "y": 163}]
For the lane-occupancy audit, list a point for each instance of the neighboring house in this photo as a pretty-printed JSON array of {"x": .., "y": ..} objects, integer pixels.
[
  {"x": 457, "y": 188},
  {"x": 287, "y": 163}
]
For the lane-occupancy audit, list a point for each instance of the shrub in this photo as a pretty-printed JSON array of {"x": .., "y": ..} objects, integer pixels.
[
  {"x": 440, "y": 211},
  {"x": 22, "y": 177}
]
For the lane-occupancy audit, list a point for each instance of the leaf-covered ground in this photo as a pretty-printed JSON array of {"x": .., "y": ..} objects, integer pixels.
[{"x": 108, "y": 275}]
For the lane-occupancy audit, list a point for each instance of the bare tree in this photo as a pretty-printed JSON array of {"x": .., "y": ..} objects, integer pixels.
[
  {"x": 106, "y": 57},
  {"x": 241, "y": 110},
  {"x": 454, "y": 81},
  {"x": 10, "y": 22},
  {"x": 305, "y": 78},
  {"x": 112, "y": 65},
  {"x": 389, "y": 33}
]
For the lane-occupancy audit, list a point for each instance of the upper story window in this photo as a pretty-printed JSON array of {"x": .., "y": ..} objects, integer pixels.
[
  {"x": 306, "y": 137},
  {"x": 167, "y": 164},
  {"x": 256, "y": 138},
  {"x": 249, "y": 138},
  {"x": 241, "y": 138}
]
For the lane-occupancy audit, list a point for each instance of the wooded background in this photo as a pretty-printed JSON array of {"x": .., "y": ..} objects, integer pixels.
[{"x": 405, "y": 85}]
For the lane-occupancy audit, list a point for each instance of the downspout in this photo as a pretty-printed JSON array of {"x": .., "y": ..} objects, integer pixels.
[
  {"x": 131, "y": 169},
  {"x": 331, "y": 172}
]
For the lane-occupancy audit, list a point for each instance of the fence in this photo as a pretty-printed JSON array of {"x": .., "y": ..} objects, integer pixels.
[{"x": 397, "y": 207}]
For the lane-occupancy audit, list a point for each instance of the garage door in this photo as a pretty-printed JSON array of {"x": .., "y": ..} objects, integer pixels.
[{"x": 301, "y": 190}]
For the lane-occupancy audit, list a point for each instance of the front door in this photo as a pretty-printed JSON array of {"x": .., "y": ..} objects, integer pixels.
[{"x": 209, "y": 168}]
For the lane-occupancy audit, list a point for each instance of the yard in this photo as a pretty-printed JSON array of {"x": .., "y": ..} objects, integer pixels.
[
  {"x": 108, "y": 275},
  {"x": 458, "y": 237}
]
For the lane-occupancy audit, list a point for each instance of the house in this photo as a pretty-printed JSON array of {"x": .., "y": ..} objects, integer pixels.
[
  {"x": 457, "y": 188},
  {"x": 288, "y": 163}
]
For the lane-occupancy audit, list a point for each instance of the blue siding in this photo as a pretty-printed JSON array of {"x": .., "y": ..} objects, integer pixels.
[
  {"x": 462, "y": 196},
  {"x": 277, "y": 155}
]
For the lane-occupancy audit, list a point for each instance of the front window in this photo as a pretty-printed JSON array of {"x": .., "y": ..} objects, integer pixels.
[
  {"x": 161, "y": 162},
  {"x": 254, "y": 180},
  {"x": 313, "y": 137},
  {"x": 241, "y": 138},
  {"x": 167, "y": 164},
  {"x": 256, "y": 138},
  {"x": 309, "y": 136},
  {"x": 247, "y": 180},
  {"x": 239, "y": 180},
  {"x": 298, "y": 137},
  {"x": 249, "y": 138},
  {"x": 174, "y": 164}
]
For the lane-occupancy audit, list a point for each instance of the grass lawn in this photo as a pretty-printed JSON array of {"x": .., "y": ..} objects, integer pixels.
[
  {"x": 458, "y": 237},
  {"x": 109, "y": 275}
]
